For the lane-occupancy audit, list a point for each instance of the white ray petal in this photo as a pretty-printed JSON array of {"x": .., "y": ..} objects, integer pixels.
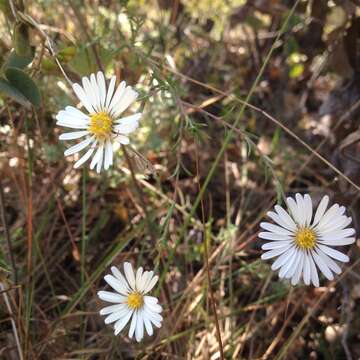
[
  {"x": 273, "y": 253},
  {"x": 101, "y": 158},
  {"x": 148, "y": 279},
  {"x": 96, "y": 157},
  {"x": 124, "y": 102},
  {"x": 299, "y": 268},
  {"x": 71, "y": 124},
  {"x": 122, "y": 139},
  {"x": 73, "y": 135},
  {"x": 129, "y": 119},
  {"x": 288, "y": 269},
  {"x": 129, "y": 273},
  {"x": 112, "y": 308},
  {"x": 307, "y": 269},
  {"x": 116, "y": 272},
  {"x": 328, "y": 216},
  {"x": 338, "y": 242},
  {"x": 275, "y": 229},
  {"x": 133, "y": 325},
  {"x": 294, "y": 209},
  {"x": 154, "y": 307},
  {"x": 143, "y": 280},
  {"x": 73, "y": 111},
  {"x": 273, "y": 236},
  {"x": 117, "y": 285},
  {"x": 110, "y": 92},
  {"x": 118, "y": 94},
  {"x": 78, "y": 147},
  {"x": 102, "y": 88},
  {"x": 126, "y": 127},
  {"x": 108, "y": 154},
  {"x": 121, "y": 323},
  {"x": 154, "y": 317},
  {"x": 138, "y": 278},
  {"x": 322, "y": 266},
  {"x": 321, "y": 210},
  {"x": 139, "y": 329},
  {"x": 313, "y": 272},
  {"x": 89, "y": 92},
  {"x": 283, "y": 220},
  {"x": 323, "y": 226},
  {"x": 85, "y": 157},
  {"x": 111, "y": 297},
  {"x": 148, "y": 326},
  {"x": 276, "y": 244},
  {"x": 86, "y": 102},
  {"x": 67, "y": 117},
  {"x": 339, "y": 223},
  {"x": 281, "y": 260},
  {"x": 150, "y": 299},
  {"x": 308, "y": 209},
  {"x": 333, "y": 266},
  {"x": 151, "y": 284},
  {"x": 117, "y": 315},
  {"x": 95, "y": 89},
  {"x": 301, "y": 208},
  {"x": 339, "y": 234},
  {"x": 337, "y": 255}
]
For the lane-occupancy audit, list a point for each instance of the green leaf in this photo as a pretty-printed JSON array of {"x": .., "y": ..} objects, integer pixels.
[
  {"x": 66, "y": 54},
  {"x": 7, "y": 89},
  {"x": 24, "y": 84},
  {"x": 16, "y": 61},
  {"x": 21, "y": 40},
  {"x": 296, "y": 70}
]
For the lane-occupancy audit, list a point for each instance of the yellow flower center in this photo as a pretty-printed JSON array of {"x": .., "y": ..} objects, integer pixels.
[
  {"x": 100, "y": 125},
  {"x": 305, "y": 238},
  {"x": 135, "y": 300}
]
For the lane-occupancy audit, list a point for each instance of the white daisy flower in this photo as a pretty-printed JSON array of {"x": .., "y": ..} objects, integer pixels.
[
  {"x": 303, "y": 242},
  {"x": 131, "y": 302},
  {"x": 102, "y": 124}
]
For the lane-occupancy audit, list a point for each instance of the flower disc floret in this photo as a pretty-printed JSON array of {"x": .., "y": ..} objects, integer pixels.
[
  {"x": 305, "y": 238},
  {"x": 135, "y": 300},
  {"x": 101, "y": 125}
]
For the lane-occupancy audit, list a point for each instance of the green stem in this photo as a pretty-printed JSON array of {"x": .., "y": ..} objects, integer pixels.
[{"x": 228, "y": 138}]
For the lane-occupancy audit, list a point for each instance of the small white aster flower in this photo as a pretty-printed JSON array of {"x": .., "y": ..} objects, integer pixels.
[
  {"x": 303, "y": 242},
  {"x": 102, "y": 125},
  {"x": 131, "y": 301}
]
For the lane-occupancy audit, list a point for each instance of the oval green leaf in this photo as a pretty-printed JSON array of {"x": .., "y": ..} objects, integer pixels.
[
  {"x": 7, "y": 89},
  {"x": 21, "y": 40},
  {"x": 24, "y": 84},
  {"x": 14, "y": 60}
]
